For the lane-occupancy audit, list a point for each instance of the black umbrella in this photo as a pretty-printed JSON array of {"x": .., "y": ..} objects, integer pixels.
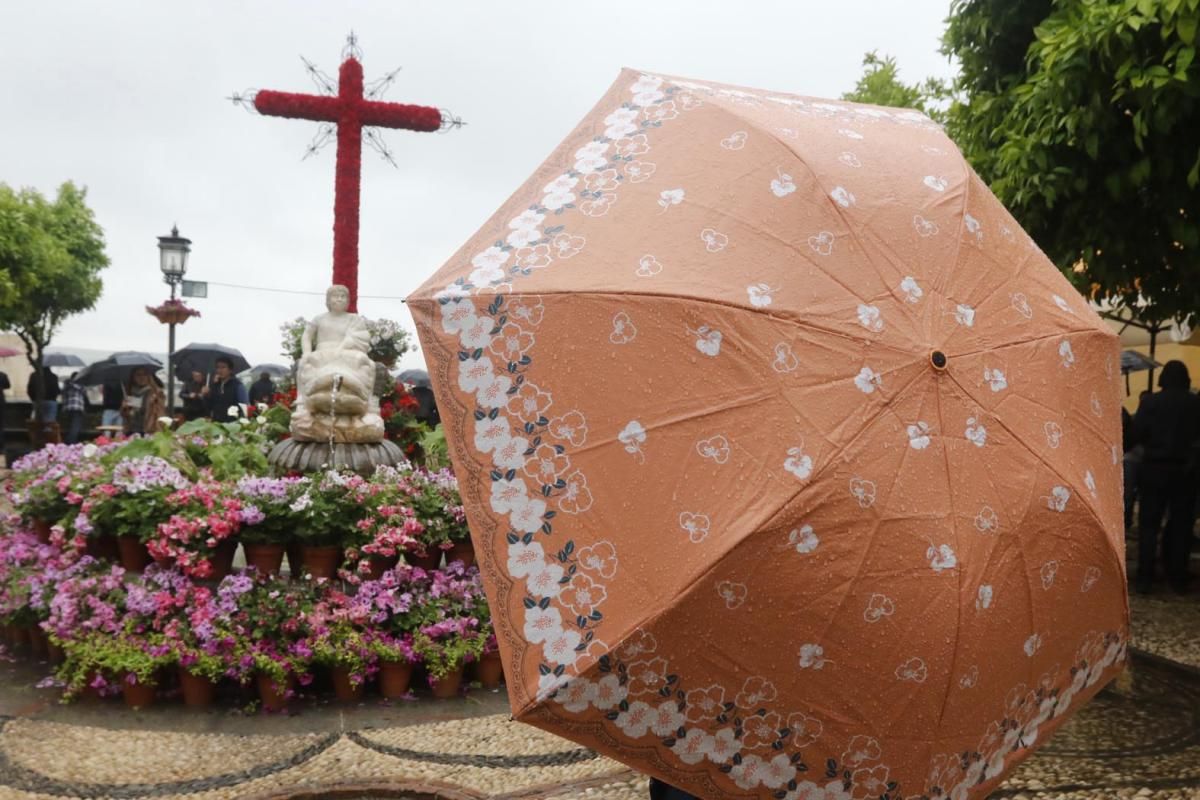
[
  {"x": 202, "y": 357},
  {"x": 415, "y": 377},
  {"x": 62, "y": 360},
  {"x": 117, "y": 367},
  {"x": 1133, "y": 361},
  {"x": 274, "y": 370}
]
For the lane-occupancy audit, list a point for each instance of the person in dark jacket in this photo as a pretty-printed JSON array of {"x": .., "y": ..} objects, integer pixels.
[
  {"x": 46, "y": 391},
  {"x": 111, "y": 405},
  {"x": 665, "y": 791},
  {"x": 1167, "y": 425},
  {"x": 225, "y": 394},
  {"x": 195, "y": 404},
  {"x": 262, "y": 390}
]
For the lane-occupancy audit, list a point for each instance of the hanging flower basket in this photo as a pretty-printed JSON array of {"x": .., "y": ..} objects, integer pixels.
[{"x": 172, "y": 312}]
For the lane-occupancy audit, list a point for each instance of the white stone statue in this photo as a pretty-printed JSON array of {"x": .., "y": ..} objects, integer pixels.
[{"x": 335, "y": 379}]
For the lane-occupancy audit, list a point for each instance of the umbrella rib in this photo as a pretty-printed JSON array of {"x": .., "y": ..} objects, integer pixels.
[{"x": 1030, "y": 340}]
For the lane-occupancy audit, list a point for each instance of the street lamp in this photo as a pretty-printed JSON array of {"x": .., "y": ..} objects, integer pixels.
[{"x": 172, "y": 259}]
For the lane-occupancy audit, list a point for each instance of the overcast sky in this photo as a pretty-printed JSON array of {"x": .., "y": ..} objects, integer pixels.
[{"x": 128, "y": 99}]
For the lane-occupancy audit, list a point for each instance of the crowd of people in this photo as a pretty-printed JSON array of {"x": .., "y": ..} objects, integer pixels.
[{"x": 139, "y": 404}]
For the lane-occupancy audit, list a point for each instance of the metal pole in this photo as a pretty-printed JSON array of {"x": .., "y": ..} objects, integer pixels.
[
  {"x": 170, "y": 363},
  {"x": 1153, "y": 340}
]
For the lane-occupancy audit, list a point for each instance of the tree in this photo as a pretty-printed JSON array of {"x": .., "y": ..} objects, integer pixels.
[
  {"x": 51, "y": 255},
  {"x": 1084, "y": 118},
  {"x": 880, "y": 85}
]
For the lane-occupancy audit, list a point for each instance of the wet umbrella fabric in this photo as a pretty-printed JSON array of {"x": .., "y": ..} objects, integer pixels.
[
  {"x": 1133, "y": 361},
  {"x": 274, "y": 370},
  {"x": 62, "y": 360},
  {"x": 203, "y": 357},
  {"x": 117, "y": 367},
  {"x": 793, "y": 465},
  {"x": 414, "y": 377}
]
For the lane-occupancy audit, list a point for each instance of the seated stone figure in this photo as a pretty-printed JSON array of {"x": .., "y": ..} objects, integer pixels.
[{"x": 335, "y": 379}]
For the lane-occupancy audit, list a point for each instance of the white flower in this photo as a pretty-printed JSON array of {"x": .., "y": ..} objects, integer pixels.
[
  {"x": 708, "y": 340},
  {"x": 638, "y": 171},
  {"x": 1057, "y": 501},
  {"x": 475, "y": 373},
  {"x": 593, "y": 155},
  {"x": 850, "y": 134},
  {"x": 477, "y": 334},
  {"x": 550, "y": 683},
  {"x": 803, "y": 539},
  {"x": 724, "y": 746},
  {"x": 918, "y": 436},
  {"x": 624, "y": 331},
  {"x": 822, "y": 242},
  {"x": 976, "y": 433},
  {"x": 1090, "y": 576},
  {"x": 941, "y": 557},
  {"x": 812, "y": 656},
  {"x": 576, "y": 695},
  {"x": 167, "y": 422},
  {"x": 783, "y": 185},
  {"x": 559, "y": 192},
  {"x": 912, "y": 291},
  {"x": 785, "y": 359},
  {"x": 734, "y": 594},
  {"x": 869, "y": 318},
  {"x": 924, "y": 227},
  {"x": 798, "y": 463},
  {"x": 986, "y": 520},
  {"x": 964, "y": 315},
  {"x": 522, "y": 237},
  {"x": 646, "y": 83},
  {"x": 541, "y": 623},
  {"x": 878, "y": 607},
  {"x": 1089, "y": 481},
  {"x": 544, "y": 581},
  {"x": 526, "y": 219},
  {"x": 693, "y": 747},
  {"x": 565, "y": 245},
  {"x": 1048, "y": 572},
  {"x": 973, "y": 227},
  {"x": 863, "y": 491},
  {"x": 233, "y": 410},
  {"x": 735, "y": 141},
  {"x": 868, "y": 380},
  {"x": 1062, "y": 304},
  {"x": 842, "y": 197},
  {"x": 635, "y": 720},
  {"x": 714, "y": 241},
  {"x": 494, "y": 393},
  {"x": 457, "y": 314},
  {"x": 90, "y": 450},
  {"x": 527, "y": 517},
  {"x": 670, "y": 197},
  {"x": 913, "y": 670},
  {"x": 1033, "y": 644},
  {"x": 695, "y": 526},
  {"x": 559, "y": 647},
  {"x": 748, "y": 773},
  {"x": 621, "y": 122},
  {"x": 849, "y": 159},
  {"x": 609, "y": 692},
  {"x": 525, "y": 559},
  {"x": 935, "y": 183},
  {"x": 489, "y": 433},
  {"x": 1054, "y": 434},
  {"x": 508, "y": 495},
  {"x": 632, "y": 436},
  {"x": 983, "y": 599},
  {"x": 667, "y": 719},
  {"x": 716, "y": 448},
  {"x": 1066, "y": 354},
  {"x": 995, "y": 379},
  {"x": 510, "y": 454},
  {"x": 860, "y": 751},
  {"x": 648, "y": 267},
  {"x": 759, "y": 294}
]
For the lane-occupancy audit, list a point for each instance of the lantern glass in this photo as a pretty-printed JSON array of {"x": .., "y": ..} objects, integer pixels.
[{"x": 173, "y": 255}]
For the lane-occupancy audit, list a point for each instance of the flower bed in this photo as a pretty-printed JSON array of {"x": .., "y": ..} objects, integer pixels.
[{"x": 179, "y": 504}]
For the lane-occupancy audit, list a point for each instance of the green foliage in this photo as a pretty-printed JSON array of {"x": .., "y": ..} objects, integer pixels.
[
  {"x": 880, "y": 85},
  {"x": 433, "y": 446},
  {"x": 51, "y": 255},
  {"x": 444, "y": 655},
  {"x": 230, "y": 449},
  {"x": 115, "y": 657},
  {"x": 1082, "y": 116}
]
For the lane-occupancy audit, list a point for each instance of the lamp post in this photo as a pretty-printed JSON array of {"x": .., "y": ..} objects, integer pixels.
[{"x": 172, "y": 259}]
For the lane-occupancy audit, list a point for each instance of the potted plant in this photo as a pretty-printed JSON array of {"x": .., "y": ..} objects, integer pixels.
[
  {"x": 132, "y": 503},
  {"x": 445, "y": 648},
  {"x": 330, "y": 516},
  {"x": 341, "y": 646},
  {"x": 389, "y": 341},
  {"x": 279, "y": 503},
  {"x": 200, "y": 536},
  {"x": 439, "y": 508},
  {"x": 172, "y": 312},
  {"x": 389, "y": 529}
]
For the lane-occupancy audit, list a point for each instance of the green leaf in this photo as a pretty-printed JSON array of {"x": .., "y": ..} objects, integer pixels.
[{"x": 1185, "y": 26}]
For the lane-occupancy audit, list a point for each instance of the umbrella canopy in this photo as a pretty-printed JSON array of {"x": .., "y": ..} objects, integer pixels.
[
  {"x": 117, "y": 367},
  {"x": 1133, "y": 361},
  {"x": 202, "y": 357},
  {"x": 415, "y": 377},
  {"x": 792, "y": 463},
  {"x": 62, "y": 360},
  {"x": 274, "y": 370}
]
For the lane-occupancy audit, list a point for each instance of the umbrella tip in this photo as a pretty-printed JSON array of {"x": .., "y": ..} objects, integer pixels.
[{"x": 938, "y": 359}]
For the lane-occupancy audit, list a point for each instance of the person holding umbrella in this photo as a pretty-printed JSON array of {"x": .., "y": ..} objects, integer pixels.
[
  {"x": 226, "y": 393},
  {"x": 74, "y": 406},
  {"x": 43, "y": 388},
  {"x": 144, "y": 403},
  {"x": 263, "y": 389},
  {"x": 194, "y": 404}
]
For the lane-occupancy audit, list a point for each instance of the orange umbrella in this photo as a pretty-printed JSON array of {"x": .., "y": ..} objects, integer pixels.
[{"x": 791, "y": 460}]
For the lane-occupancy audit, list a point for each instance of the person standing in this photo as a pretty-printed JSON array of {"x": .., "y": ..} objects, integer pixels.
[
  {"x": 1167, "y": 425},
  {"x": 5, "y": 385},
  {"x": 111, "y": 405},
  {"x": 262, "y": 390},
  {"x": 195, "y": 405},
  {"x": 43, "y": 388},
  {"x": 74, "y": 406},
  {"x": 225, "y": 394},
  {"x": 144, "y": 404}
]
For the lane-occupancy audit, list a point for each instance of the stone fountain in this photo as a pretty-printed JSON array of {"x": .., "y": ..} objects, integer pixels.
[{"x": 335, "y": 420}]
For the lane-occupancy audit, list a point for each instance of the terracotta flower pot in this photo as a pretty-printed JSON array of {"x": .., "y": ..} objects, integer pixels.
[
  {"x": 490, "y": 670},
  {"x": 90, "y": 693},
  {"x": 54, "y": 653},
  {"x": 431, "y": 560},
  {"x": 266, "y": 558},
  {"x": 446, "y": 687},
  {"x": 394, "y": 678},
  {"x": 462, "y": 551},
  {"x": 19, "y": 637},
  {"x": 133, "y": 553},
  {"x": 274, "y": 696},
  {"x": 295, "y": 567},
  {"x": 380, "y": 565},
  {"x": 137, "y": 695},
  {"x": 343, "y": 689},
  {"x": 222, "y": 559},
  {"x": 41, "y": 527},
  {"x": 198, "y": 691},
  {"x": 320, "y": 560},
  {"x": 103, "y": 546}
]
